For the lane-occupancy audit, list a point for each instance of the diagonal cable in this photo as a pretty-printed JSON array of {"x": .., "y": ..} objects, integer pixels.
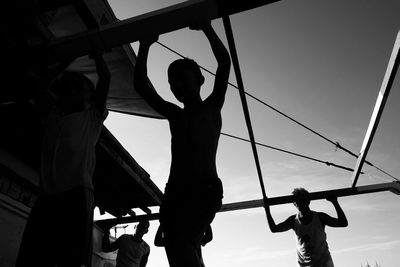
[
  {"x": 292, "y": 153},
  {"x": 336, "y": 144}
]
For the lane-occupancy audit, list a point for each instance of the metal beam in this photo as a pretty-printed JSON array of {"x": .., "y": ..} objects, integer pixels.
[
  {"x": 108, "y": 223},
  {"x": 379, "y": 105},
  {"x": 246, "y": 112},
  {"x": 126, "y": 31},
  {"x": 393, "y": 187}
]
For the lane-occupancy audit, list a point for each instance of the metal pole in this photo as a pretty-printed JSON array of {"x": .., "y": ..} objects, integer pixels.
[
  {"x": 387, "y": 83},
  {"x": 235, "y": 61}
]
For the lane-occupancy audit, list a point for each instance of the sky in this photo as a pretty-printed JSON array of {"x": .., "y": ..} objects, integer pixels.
[{"x": 321, "y": 62}]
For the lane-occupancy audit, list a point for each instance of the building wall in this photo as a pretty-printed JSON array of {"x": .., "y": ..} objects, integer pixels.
[
  {"x": 17, "y": 197},
  {"x": 16, "y": 200}
]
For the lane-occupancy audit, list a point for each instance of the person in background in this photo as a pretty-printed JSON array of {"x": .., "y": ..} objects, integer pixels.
[
  {"x": 61, "y": 222},
  {"x": 309, "y": 227},
  {"x": 133, "y": 251}
]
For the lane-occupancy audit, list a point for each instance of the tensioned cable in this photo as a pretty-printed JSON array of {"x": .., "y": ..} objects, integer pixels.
[
  {"x": 336, "y": 144},
  {"x": 292, "y": 153}
]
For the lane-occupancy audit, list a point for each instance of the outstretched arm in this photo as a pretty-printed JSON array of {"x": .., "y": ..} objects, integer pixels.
[
  {"x": 106, "y": 245},
  {"x": 224, "y": 64},
  {"x": 141, "y": 85},
  {"x": 340, "y": 221},
  {"x": 281, "y": 227},
  {"x": 103, "y": 84}
]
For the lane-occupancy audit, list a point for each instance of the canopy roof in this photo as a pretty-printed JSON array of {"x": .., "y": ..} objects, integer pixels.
[
  {"x": 41, "y": 22},
  {"x": 120, "y": 183}
]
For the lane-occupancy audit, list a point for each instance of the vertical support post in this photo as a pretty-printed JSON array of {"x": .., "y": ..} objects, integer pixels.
[
  {"x": 387, "y": 83},
  {"x": 236, "y": 66}
]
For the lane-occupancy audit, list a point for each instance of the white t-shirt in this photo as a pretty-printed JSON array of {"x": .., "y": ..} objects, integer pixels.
[
  {"x": 130, "y": 252},
  {"x": 68, "y": 149}
]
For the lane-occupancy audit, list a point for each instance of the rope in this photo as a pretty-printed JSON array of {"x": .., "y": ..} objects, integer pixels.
[
  {"x": 336, "y": 144},
  {"x": 293, "y": 153}
]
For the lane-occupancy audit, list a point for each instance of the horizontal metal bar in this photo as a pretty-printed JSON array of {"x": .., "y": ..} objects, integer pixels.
[
  {"x": 108, "y": 223},
  {"x": 393, "y": 187},
  {"x": 127, "y": 31}
]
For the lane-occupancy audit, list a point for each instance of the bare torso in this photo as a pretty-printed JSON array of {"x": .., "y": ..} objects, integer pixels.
[{"x": 195, "y": 133}]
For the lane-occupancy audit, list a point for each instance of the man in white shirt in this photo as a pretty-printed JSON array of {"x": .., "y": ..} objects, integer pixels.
[
  {"x": 133, "y": 251},
  {"x": 309, "y": 226}
]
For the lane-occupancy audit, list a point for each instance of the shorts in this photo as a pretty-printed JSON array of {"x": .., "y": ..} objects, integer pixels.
[
  {"x": 187, "y": 210},
  {"x": 59, "y": 230}
]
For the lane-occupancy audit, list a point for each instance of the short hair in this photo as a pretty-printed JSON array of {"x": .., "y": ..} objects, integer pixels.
[
  {"x": 143, "y": 223},
  {"x": 300, "y": 191},
  {"x": 185, "y": 64}
]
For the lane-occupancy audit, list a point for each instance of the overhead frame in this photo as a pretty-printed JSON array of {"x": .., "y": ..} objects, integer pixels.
[
  {"x": 379, "y": 105},
  {"x": 393, "y": 187},
  {"x": 110, "y": 36},
  {"x": 127, "y": 31}
]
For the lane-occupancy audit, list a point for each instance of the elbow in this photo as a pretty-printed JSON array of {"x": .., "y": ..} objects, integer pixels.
[
  {"x": 158, "y": 243},
  {"x": 226, "y": 61},
  {"x": 274, "y": 230},
  {"x": 343, "y": 223}
]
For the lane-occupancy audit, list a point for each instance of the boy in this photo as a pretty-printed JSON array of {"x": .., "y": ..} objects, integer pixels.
[
  {"x": 193, "y": 193},
  {"x": 60, "y": 223},
  {"x": 309, "y": 227}
]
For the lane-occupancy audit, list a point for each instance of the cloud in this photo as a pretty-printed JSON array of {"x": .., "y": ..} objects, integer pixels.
[
  {"x": 367, "y": 247},
  {"x": 259, "y": 254},
  {"x": 255, "y": 254}
]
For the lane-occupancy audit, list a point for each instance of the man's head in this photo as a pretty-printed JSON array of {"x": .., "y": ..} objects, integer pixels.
[
  {"x": 72, "y": 91},
  {"x": 301, "y": 205},
  {"x": 142, "y": 227},
  {"x": 185, "y": 79}
]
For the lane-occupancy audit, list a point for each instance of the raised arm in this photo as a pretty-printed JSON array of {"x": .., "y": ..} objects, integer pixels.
[
  {"x": 217, "y": 96},
  {"x": 158, "y": 239},
  {"x": 103, "y": 84},
  {"x": 281, "y": 227},
  {"x": 141, "y": 84},
  {"x": 106, "y": 245},
  {"x": 340, "y": 221}
]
